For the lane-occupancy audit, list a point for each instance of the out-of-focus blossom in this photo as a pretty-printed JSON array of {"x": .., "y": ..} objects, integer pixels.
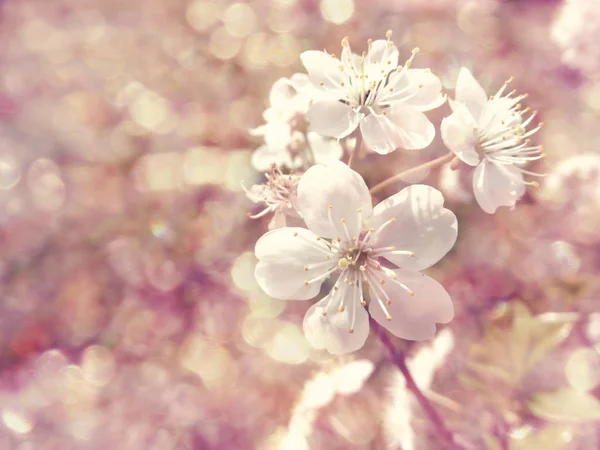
[
  {"x": 301, "y": 149},
  {"x": 491, "y": 134},
  {"x": 576, "y": 30},
  {"x": 289, "y": 143},
  {"x": 278, "y": 194},
  {"x": 373, "y": 91},
  {"x": 318, "y": 392},
  {"x": 346, "y": 236}
]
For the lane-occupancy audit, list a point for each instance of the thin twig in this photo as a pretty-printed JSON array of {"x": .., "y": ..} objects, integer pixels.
[
  {"x": 356, "y": 148},
  {"x": 428, "y": 165}
]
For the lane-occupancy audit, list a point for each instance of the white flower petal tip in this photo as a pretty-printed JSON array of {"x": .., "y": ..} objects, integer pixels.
[
  {"x": 416, "y": 303},
  {"x": 348, "y": 240},
  {"x": 492, "y": 134},
  {"x": 338, "y": 331},
  {"x": 329, "y": 199},
  {"x": 387, "y": 107}
]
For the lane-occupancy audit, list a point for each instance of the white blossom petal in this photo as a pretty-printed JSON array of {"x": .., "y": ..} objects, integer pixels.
[
  {"x": 382, "y": 52},
  {"x": 497, "y": 115},
  {"x": 400, "y": 126},
  {"x": 325, "y": 74},
  {"x": 332, "y": 332},
  {"x": 333, "y": 118},
  {"x": 422, "y": 226},
  {"x": 459, "y": 133},
  {"x": 496, "y": 186},
  {"x": 324, "y": 150},
  {"x": 470, "y": 93},
  {"x": 264, "y": 157},
  {"x": 282, "y": 258},
  {"x": 427, "y": 90},
  {"x": 413, "y": 317},
  {"x": 342, "y": 188}
]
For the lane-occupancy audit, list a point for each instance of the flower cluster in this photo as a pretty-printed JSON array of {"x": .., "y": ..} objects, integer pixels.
[{"x": 368, "y": 260}]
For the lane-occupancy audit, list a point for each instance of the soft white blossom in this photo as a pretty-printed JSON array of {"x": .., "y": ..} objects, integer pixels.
[
  {"x": 278, "y": 195},
  {"x": 374, "y": 92},
  {"x": 374, "y": 254},
  {"x": 576, "y": 30},
  {"x": 491, "y": 133},
  {"x": 289, "y": 143}
]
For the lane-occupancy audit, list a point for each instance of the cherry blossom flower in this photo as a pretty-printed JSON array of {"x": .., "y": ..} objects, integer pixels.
[
  {"x": 491, "y": 134},
  {"x": 374, "y": 92},
  {"x": 359, "y": 244},
  {"x": 278, "y": 195},
  {"x": 288, "y": 141}
]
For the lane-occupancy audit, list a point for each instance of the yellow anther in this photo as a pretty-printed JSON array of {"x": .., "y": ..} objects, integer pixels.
[
  {"x": 363, "y": 303},
  {"x": 388, "y": 34},
  {"x": 388, "y": 317},
  {"x": 324, "y": 313},
  {"x": 306, "y": 268},
  {"x": 416, "y": 50},
  {"x": 351, "y": 330},
  {"x": 343, "y": 220},
  {"x": 343, "y": 264},
  {"x": 341, "y": 308},
  {"x": 381, "y": 281},
  {"x": 305, "y": 282},
  {"x": 295, "y": 233},
  {"x": 330, "y": 206},
  {"x": 345, "y": 42},
  {"x": 388, "y": 302}
]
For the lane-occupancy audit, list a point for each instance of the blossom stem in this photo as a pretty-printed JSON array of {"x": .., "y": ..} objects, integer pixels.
[
  {"x": 309, "y": 153},
  {"x": 356, "y": 148},
  {"x": 398, "y": 358},
  {"x": 399, "y": 176}
]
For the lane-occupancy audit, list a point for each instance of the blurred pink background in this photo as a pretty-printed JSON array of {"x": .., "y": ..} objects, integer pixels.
[{"x": 129, "y": 315}]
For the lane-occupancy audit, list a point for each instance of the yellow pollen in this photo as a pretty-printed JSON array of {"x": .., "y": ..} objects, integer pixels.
[
  {"x": 363, "y": 303},
  {"x": 388, "y": 34},
  {"x": 388, "y": 317},
  {"x": 324, "y": 313},
  {"x": 411, "y": 292},
  {"x": 341, "y": 309},
  {"x": 343, "y": 220},
  {"x": 295, "y": 233},
  {"x": 343, "y": 263},
  {"x": 306, "y": 268},
  {"x": 330, "y": 206},
  {"x": 345, "y": 42}
]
